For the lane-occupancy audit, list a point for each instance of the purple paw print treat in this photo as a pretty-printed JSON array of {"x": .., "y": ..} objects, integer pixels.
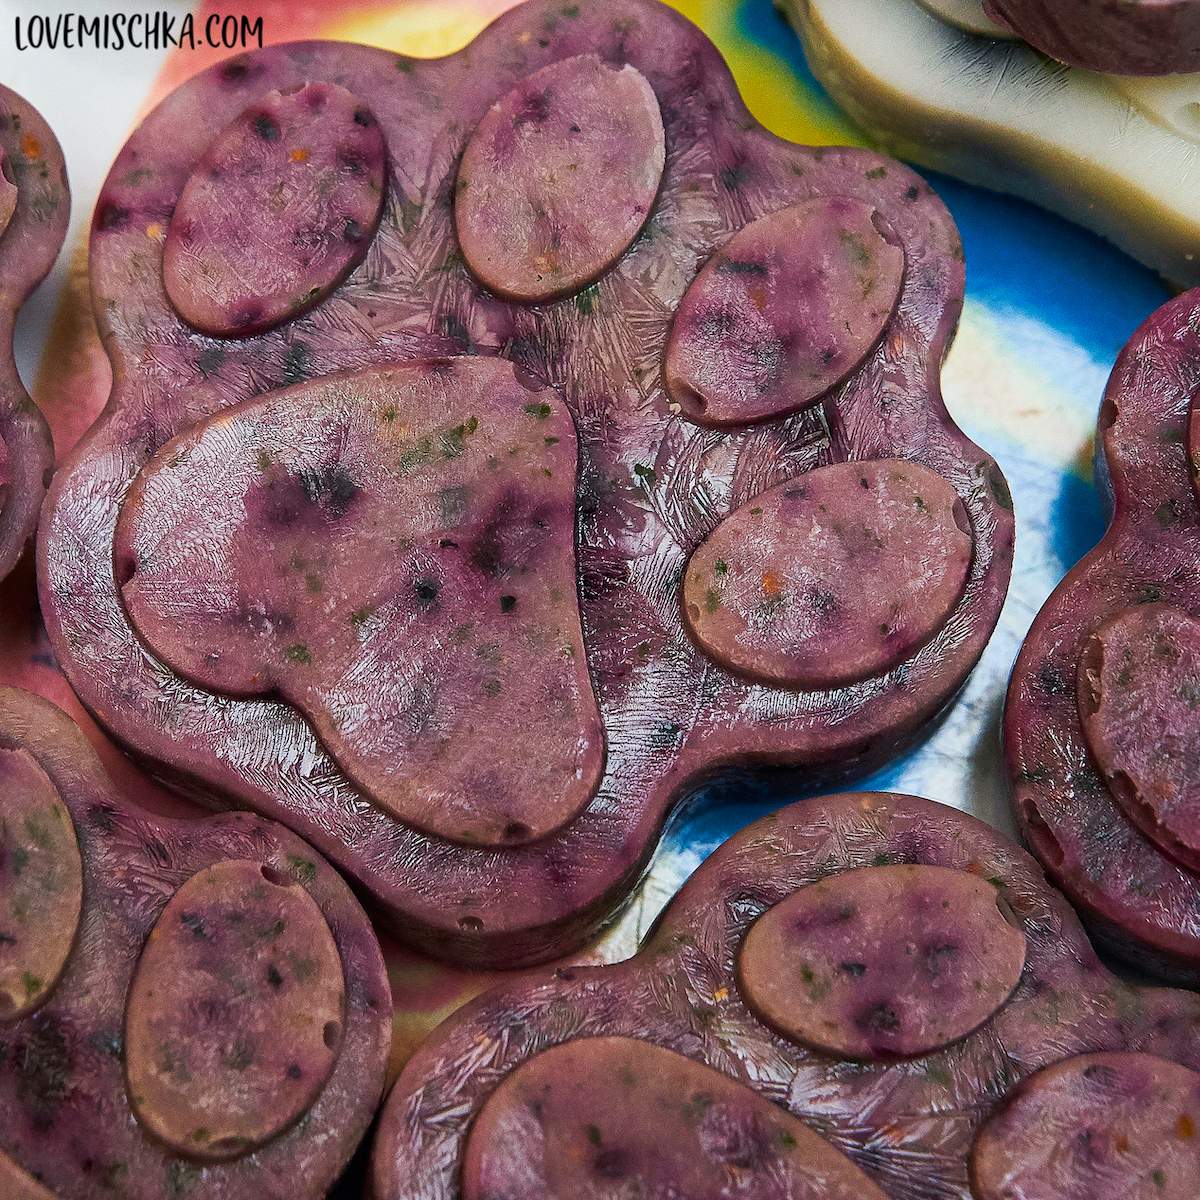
[
  {"x": 35, "y": 206},
  {"x": 1120, "y": 37},
  {"x": 1102, "y": 726},
  {"x": 861, "y": 995},
  {"x": 187, "y": 1007},
  {"x": 502, "y": 446}
]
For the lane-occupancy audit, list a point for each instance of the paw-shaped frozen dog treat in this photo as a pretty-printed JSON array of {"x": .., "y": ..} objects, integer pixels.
[
  {"x": 868, "y": 993},
  {"x": 1121, "y": 37},
  {"x": 449, "y": 564},
  {"x": 1102, "y": 726},
  {"x": 187, "y": 1007},
  {"x": 35, "y": 206}
]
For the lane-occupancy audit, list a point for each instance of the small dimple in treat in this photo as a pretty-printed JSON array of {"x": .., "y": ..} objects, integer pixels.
[
  {"x": 280, "y": 209},
  {"x": 1102, "y": 719},
  {"x": 616, "y": 1116},
  {"x": 783, "y": 312},
  {"x": 41, "y": 885},
  {"x": 883, "y": 962},
  {"x": 1115, "y": 1126},
  {"x": 393, "y": 551},
  {"x": 35, "y": 206},
  {"x": 833, "y": 577},
  {"x": 559, "y": 177},
  {"x": 235, "y": 1012},
  {"x": 203, "y": 1009},
  {"x": 1139, "y": 702},
  {"x": 888, "y": 973},
  {"x": 437, "y": 627}
]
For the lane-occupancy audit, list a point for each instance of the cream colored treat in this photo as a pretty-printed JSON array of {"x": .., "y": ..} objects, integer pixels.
[{"x": 1118, "y": 154}]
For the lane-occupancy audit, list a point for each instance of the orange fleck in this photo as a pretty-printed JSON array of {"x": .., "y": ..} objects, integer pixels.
[
  {"x": 1185, "y": 1127},
  {"x": 721, "y": 994},
  {"x": 772, "y": 585},
  {"x": 154, "y": 230},
  {"x": 1121, "y": 1143},
  {"x": 299, "y": 154},
  {"x": 31, "y": 147}
]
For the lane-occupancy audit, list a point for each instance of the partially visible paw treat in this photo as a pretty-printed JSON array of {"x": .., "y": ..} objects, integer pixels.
[
  {"x": 1119, "y": 37},
  {"x": 942, "y": 83},
  {"x": 35, "y": 206},
  {"x": 863, "y": 995},
  {"x": 501, "y": 446},
  {"x": 1095, "y": 1127},
  {"x": 187, "y": 1007},
  {"x": 1102, "y": 726}
]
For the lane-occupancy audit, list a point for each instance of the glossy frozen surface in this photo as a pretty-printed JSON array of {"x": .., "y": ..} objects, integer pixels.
[
  {"x": 909, "y": 1125},
  {"x": 64, "y": 1088},
  {"x": 614, "y": 1117},
  {"x": 1096, "y": 1127},
  {"x": 1141, "y": 901},
  {"x": 1024, "y": 376},
  {"x": 1139, "y": 689},
  {"x": 279, "y": 210},
  {"x": 831, "y": 579},
  {"x": 559, "y": 177},
  {"x": 783, "y": 311},
  {"x": 41, "y": 885},
  {"x": 34, "y": 208},
  {"x": 233, "y": 1021},
  {"x": 884, "y": 962},
  {"x": 652, "y": 484}
]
